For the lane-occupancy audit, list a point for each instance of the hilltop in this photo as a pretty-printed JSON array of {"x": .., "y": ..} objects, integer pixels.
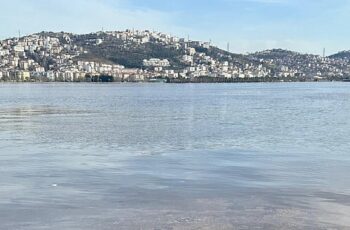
[{"x": 341, "y": 55}]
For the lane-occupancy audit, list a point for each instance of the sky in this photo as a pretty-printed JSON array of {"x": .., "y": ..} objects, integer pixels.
[{"x": 305, "y": 26}]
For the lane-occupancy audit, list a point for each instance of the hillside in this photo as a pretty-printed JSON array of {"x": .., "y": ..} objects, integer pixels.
[
  {"x": 140, "y": 55},
  {"x": 341, "y": 55}
]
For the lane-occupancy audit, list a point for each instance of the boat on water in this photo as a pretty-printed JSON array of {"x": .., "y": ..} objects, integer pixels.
[
  {"x": 157, "y": 80},
  {"x": 346, "y": 79}
]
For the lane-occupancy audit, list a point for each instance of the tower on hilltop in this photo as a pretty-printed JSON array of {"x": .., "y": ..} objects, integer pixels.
[{"x": 324, "y": 52}]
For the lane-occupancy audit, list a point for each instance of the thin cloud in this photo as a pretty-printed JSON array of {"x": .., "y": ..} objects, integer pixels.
[
  {"x": 250, "y": 25},
  {"x": 260, "y": 1}
]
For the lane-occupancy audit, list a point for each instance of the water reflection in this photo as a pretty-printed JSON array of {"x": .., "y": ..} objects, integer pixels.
[{"x": 247, "y": 156}]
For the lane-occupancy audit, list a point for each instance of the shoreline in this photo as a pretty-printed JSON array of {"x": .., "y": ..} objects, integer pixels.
[
  {"x": 200, "y": 80},
  {"x": 166, "y": 83}
]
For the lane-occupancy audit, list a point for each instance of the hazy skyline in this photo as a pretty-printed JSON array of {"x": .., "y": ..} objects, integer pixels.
[{"x": 249, "y": 25}]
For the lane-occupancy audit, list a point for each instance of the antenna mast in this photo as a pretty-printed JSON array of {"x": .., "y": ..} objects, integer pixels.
[{"x": 324, "y": 52}]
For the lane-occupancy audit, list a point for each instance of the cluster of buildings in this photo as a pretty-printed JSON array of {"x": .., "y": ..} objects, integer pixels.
[
  {"x": 292, "y": 64},
  {"x": 57, "y": 57},
  {"x": 35, "y": 57},
  {"x": 200, "y": 64},
  {"x": 194, "y": 63}
]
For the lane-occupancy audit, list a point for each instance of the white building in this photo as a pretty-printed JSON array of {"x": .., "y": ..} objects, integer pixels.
[{"x": 155, "y": 62}]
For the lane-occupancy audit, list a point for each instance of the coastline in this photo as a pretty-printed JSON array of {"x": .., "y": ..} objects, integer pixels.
[{"x": 188, "y": 81}]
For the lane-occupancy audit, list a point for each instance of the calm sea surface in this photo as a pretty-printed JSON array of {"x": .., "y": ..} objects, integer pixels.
[{"x": 159, "y": 156}]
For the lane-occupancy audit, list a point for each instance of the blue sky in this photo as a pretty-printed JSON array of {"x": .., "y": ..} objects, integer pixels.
[{"x": 249, "y": 25}]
